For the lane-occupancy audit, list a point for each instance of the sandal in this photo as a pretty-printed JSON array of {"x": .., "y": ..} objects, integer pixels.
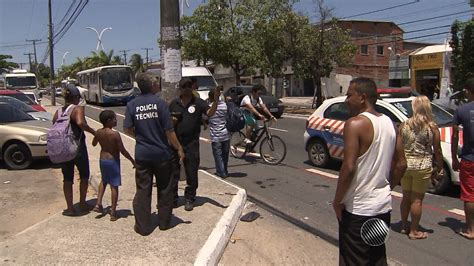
[
  {"x": 69, "y": 213},
  {"x": 113, "y": 217},
  {"x": 98, "y": 208},
  {"x": 466, "y": 235},
  {"x": 420, "y": 235}
]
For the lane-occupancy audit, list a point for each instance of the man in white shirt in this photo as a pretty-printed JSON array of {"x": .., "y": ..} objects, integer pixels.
[
  {"x": 374, "y": 163},
  {"x": 250, "y": 103}
]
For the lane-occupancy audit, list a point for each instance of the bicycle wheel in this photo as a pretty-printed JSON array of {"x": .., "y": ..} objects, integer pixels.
[
  {"x": 272, "y": 150},
  {"x": 237, "y": 146}
]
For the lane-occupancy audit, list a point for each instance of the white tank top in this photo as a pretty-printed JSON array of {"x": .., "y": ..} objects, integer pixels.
[{"x": 369, "y": 192}]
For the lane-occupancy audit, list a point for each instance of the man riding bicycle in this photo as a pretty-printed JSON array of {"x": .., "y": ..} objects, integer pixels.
[{"x": 249, "y": 105}]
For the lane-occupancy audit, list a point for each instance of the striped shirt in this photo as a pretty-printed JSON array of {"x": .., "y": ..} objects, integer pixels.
[{"x": 217, "y": 124}]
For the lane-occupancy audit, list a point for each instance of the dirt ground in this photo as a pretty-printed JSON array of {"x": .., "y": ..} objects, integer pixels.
[{"x": 28, "y": 197}]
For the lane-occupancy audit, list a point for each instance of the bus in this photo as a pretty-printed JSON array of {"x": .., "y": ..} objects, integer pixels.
[{"x": 108, "y": 84}]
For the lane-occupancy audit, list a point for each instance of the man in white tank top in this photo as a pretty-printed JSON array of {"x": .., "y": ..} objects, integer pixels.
[{"x": 374, "y": 162}]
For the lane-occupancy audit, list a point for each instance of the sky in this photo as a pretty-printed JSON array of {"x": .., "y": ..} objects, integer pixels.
[{"x": 135, "y": 23}]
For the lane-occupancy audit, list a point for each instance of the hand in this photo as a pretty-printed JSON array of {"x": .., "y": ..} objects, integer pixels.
[
  {"x": 181, "y": 155},
  {"x": 134, "y": 164},
  {"x": 217, "y": 94},
  {"x": 338, "y": 207},
  {"x": 455, "y": 164},
  {"x": 273, "y": 118},
  {"x": 261, "y": 117}
]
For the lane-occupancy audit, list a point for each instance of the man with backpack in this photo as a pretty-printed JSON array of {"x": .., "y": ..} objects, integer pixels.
[
  {"x": 67, "y": 146},
  {"x": 250, "y": 104}
]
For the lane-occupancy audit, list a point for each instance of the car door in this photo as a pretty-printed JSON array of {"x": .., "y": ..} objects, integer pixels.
[{"x": 332, "y": 127}]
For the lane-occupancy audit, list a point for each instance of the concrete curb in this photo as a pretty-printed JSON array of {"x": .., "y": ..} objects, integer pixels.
[{"x": 214, "y": 247}]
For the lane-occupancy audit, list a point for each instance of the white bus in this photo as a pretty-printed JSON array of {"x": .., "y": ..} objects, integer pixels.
[{"x": 108, "y": 84}]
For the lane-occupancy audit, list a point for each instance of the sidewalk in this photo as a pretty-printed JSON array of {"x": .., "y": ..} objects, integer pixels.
[{"x": 197, "y": 237}]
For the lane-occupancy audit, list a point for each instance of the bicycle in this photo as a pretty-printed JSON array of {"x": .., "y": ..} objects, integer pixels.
[{"x": 276, "y": 146}]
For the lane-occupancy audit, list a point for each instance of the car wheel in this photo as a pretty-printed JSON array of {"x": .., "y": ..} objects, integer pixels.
[
  {"x": 443, "y": 184},
  {"x": 17, "y": 156},
  {"x": 318, "y": 153}
]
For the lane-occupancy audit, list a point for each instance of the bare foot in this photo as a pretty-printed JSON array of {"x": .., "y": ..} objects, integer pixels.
[
  {"x": 417, "y": 235},
  {"x": 467, "y": 235},
  {"x": 98, "y": 208}
]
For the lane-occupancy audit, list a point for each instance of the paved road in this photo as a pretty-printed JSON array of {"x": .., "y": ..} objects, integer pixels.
[{"x": 302, "y": 197}]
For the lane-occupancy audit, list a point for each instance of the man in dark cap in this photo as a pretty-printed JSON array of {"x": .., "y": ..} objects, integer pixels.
[{"x": 187, "y": 111}]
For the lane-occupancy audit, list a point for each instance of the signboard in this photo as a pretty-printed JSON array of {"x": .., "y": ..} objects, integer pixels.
[
  {"x": 172, "y": 60},
  {"x": 427, "y": 61},
  {"x": 399, "y": 63},
  {"x": 399, "y": 75}
]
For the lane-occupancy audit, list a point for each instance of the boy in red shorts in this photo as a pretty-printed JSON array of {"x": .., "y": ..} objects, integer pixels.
[
  {"x": 111, "y": 144},
  {"x": 464, "y": 116}
]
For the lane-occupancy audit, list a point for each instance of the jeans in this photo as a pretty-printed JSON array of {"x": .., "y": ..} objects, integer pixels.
[
  {"x": 144, "y": 172},
  {"x": 220, "y": 150}
]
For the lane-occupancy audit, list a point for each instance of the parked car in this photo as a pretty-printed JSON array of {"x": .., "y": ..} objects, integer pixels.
[
  {"x": 22, "y": 138},
  {"x": 33, "y": 96},
  {"x": 22, "y": 97},
  {"x": 323, "y": 138},
  {"x": 19, "y": 105},
  {"x": 274, "y": 105}
]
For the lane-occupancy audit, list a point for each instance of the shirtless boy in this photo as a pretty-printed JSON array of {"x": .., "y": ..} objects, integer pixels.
[{"x": 112, "y": 145}]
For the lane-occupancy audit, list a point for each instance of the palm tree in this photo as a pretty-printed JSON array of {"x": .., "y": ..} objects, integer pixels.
[
  {"x": 116, "y": 60},
  {"x": 136, "y": 63}
]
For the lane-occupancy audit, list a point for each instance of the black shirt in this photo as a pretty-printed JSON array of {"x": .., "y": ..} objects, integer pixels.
[
  {"x": 189, "y": 118},
  {"x": 150, "y": 117}
]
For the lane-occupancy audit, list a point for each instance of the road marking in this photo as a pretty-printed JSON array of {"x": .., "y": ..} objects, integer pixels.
[
  {"x": 397, "y": 194},
  {"x": 277, "y": 129},
  {"x": 205, "y": 140},
  {"x": 102, "y": 109},
  {"x": 318, "y": 172},
  {"x": 302, "y": 117},
  {"x": 123, "y": 134},
  {"x": 458, "y": 212}
]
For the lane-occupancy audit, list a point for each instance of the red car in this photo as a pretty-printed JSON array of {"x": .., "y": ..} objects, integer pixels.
[{"x": 22, "y": 97}]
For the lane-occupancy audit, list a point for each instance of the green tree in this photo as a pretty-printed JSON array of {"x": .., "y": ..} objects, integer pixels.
[
  {"x": 319, "y": 48},
  {"x": 99, "y": 59},
  {"x": 462, "y": 57},
  {"x": 6, "y": 64},
  {"x": 116, "y": 60},
  {"x": 42, "y": 74},
  {"x": 136, "y": 63}
]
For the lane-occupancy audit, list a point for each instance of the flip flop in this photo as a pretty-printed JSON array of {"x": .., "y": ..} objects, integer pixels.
[
  {"x": 421, "y": 235},
  {"x": 98, "y": 208},
  {"x": 113, "y": 217},
  {"x": 69, "y": 213},
  {"x": 466, "y": 235}
]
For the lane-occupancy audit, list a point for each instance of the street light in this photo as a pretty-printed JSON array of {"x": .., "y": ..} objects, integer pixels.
[
  {"x": 64, "y": 57},
  {"x": 99, "y": 36}
]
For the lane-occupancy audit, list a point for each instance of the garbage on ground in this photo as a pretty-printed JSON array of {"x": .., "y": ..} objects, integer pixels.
[
  {"x": 250, "y": 217},
  {"x": 6, "y": 182}
]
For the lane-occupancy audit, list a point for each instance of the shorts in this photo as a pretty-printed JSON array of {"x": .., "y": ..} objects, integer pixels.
[
  {"x": 81, "y": 162},
  {"x": 352, "y": 249},
  {"x": 110, "y": 170},
  {"x": 416, "y": 180},
  {"x": 249, "y": 118},
  {"x": 466, "y": 178}
]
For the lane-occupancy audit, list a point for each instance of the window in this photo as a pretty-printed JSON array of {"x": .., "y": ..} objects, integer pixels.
[
  {"x": 337, "y": 111},
  {"x": 386, "y": 112},
  {"x": 379, "y": 49},
  {"x": 364, "y": 49}
]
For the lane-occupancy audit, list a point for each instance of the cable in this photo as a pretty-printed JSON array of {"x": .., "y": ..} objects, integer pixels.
[
  {"x": 383, "y": 9},
  {"x": 31, "y": 18},
  {"x": 431, "y": 18},
  {"x": 72, "y": 22},
  {"x": 68, "y": 21},
  {"x": 371, "y": 36},
  {"x": 426, "y": 10},
  {"x": 411, "y": 38},
  {"x": 66, "y": 14}
]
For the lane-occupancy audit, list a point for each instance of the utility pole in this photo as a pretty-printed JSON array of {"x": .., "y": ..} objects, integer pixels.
[
  {"x": 21, "y": 65},
  {"x": 34, "y": 48},
  {"x": 170, "y": 48},
  {"x": 124, "y": 55},
  {"x": 51, "y": 57},
  {"x": 147, "y": 54},
  {"x": 29, "y": 59}
]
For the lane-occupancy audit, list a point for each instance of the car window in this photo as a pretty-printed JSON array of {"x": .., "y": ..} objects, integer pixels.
[
  {"x": 22, "y": 97},
  {"x": 17, "y": 104},
  {"x": 388, "y": 113},
  {"x": 337, "y": 111},
  {"x": 9, "y": 114},
  {"x": 440, "y": 116}
]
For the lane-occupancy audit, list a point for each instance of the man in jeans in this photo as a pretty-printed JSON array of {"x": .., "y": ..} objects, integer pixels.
[
  {"x": 187, "y": 111},
  {"x": 147, "y": 118},
  {"x": 464, "y": 116}
]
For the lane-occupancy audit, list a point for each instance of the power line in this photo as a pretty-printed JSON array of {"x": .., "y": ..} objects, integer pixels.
[
  {"x": 370, "y": 36},
  {"x": 381, "y": 10},
  {"x": 34, "y": 48},
  {"x": 411, "y": 38},
  {"x": 124, "y": 55},
  {"x": 147, "y": 49},
  {"x": 431, "y": 18},
  {"x": 438, "y": 8}
]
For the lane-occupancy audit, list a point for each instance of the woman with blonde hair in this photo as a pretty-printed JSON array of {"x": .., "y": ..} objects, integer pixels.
[{"x": 421, "y": 140}]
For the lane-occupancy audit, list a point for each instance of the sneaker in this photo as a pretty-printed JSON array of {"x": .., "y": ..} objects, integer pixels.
[
  {"x": 248, "y": 142},
  {"x": 188, "y": 206}
]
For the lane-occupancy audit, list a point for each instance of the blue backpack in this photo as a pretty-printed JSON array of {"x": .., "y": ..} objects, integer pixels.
[
  {"x": 235, "y": 120},
  {"x": 62, "y": 144}
]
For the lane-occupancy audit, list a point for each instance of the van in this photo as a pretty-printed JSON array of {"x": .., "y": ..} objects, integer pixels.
[{"x": 204, "y": 78}]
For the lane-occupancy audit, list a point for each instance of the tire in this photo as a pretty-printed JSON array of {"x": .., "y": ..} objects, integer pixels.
[
  {"x": 273, "y": 150},
  {"x": 444, "y": 183},
  {"x": 237, "y": 146},
  {"x": 318, "y": 153},
  {"x": 17, "y": 156}
]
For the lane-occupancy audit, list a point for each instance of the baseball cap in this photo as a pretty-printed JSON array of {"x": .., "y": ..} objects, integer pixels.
[
  {"x": 72, "y": 90},
  {"x": 185, "y": 82}
]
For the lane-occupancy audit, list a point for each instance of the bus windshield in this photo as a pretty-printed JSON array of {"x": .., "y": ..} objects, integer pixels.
[
  {"x": 27, "y": 82},
  {"x": 116, "y": 79}
]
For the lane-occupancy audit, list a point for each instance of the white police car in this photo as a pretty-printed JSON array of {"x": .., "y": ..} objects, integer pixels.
[{"x": 323, "y": 138}]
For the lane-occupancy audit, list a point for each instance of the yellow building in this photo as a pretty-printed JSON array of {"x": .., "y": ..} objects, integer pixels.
[{"x": 430, "y": 69}]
